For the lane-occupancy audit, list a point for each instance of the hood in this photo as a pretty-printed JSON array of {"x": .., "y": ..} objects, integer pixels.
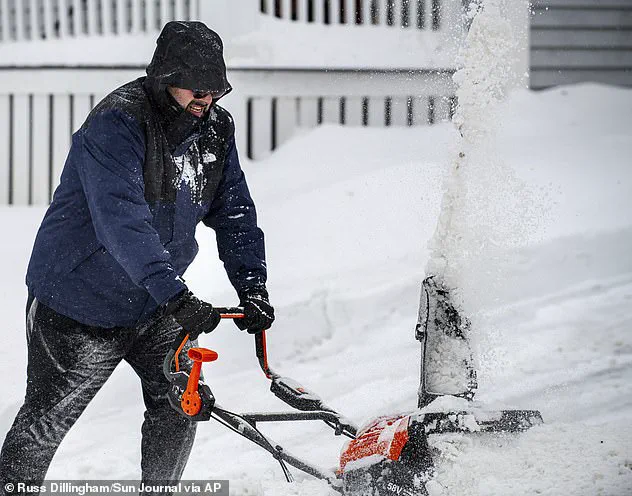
[{"x": 189, "y": 55}]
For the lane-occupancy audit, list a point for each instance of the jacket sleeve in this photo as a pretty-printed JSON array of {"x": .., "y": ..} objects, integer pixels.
[
  {"x": 232, "y": 215},
  {"x": 111, "y": 174}
]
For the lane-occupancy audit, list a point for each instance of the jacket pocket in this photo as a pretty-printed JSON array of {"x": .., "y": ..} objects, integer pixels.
[{"x": 70, "y": 262}]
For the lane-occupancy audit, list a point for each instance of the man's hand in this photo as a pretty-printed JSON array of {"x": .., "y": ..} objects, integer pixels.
[
  {"x": 194, "y": 315},
  {"x": 258, "y": 313}
]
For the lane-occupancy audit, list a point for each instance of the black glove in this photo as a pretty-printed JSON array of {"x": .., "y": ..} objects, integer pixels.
[
  {"x": 194, "y": 315},
  {"x": 258, "y": 313}
]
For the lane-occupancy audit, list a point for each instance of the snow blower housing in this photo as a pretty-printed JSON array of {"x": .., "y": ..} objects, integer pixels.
[{"x": 391, "y": 454}]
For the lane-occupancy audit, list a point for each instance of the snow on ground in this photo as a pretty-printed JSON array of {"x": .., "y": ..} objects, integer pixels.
[{"x": 347, "y": 214}]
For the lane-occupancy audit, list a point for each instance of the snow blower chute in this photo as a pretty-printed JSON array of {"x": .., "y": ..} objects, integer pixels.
[{"x": 389, "y": 455}]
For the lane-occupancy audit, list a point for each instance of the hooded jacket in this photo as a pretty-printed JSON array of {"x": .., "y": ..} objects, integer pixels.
[{"x": 140, "y": 175}]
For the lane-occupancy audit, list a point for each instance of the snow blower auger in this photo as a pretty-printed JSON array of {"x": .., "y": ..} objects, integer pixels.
[{"x": 389, "y": 455}]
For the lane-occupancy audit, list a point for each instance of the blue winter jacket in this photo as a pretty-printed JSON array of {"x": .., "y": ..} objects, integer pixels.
[{"x": 119, "y": 233}]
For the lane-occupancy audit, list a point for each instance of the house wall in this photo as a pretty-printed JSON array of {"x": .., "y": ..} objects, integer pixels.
[{"x": 581, "y": 40}]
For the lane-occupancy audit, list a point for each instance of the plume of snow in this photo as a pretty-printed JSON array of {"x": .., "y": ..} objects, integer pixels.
[{"x": 485, "y": 207}]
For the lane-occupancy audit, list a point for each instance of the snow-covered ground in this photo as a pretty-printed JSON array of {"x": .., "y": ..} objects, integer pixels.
[{"x": 348, "y": 213}]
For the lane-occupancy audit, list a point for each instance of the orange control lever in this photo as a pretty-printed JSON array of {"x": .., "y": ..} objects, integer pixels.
[{"x": 191, "y": 402}]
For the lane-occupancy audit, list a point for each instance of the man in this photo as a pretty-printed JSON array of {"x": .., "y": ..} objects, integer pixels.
[{"x": 152, "y": 160}]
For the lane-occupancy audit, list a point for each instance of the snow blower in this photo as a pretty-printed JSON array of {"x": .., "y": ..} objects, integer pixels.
[{"x": 389, "y": 455}]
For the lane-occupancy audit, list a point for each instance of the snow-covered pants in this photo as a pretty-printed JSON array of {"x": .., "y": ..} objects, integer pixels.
[{"x": 68, "y": 363}]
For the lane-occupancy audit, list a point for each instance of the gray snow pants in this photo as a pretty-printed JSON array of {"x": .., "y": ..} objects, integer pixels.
[{"x": 68, "y": 363}]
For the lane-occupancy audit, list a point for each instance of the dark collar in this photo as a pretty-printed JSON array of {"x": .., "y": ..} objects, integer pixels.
[{"x": 177, "y": 124}]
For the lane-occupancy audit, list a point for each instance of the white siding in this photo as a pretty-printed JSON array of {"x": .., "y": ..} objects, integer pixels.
[{"x": 581, "y": 40}]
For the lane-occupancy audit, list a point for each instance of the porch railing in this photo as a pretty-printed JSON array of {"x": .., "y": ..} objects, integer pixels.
[
  {"x": 22, "y": 20},
  {"x": 40, "y": 108}
]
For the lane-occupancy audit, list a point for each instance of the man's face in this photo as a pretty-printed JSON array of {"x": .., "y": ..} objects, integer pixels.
[{"x": 193, "y": 102}]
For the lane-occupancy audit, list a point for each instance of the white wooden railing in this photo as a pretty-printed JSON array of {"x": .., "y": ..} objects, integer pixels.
[
  {"x": 268, "y": 107},
  {"x": 22, "y": 20}
]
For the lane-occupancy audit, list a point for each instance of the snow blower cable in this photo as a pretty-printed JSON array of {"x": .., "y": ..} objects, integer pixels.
[{"x": 263, "y": 442}]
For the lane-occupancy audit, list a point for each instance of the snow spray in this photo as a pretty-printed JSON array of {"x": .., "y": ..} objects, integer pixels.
[{"x": 485, "y": 209}]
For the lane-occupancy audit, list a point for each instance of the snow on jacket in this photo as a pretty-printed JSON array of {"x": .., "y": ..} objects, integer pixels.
[{"x": 119, "y": 233}]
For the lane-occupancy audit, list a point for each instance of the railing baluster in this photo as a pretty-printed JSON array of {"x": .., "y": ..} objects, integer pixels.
[
  {"x": 137, "y": 16},
  {"x": 401, "y": 13},
  {"x": 334, "y": 12},
  {"x": 165, "y": 12},
  {"x": 5, "y": 124},
  {"x": 389, "y": 12},
  {"x": 19, "y": 21},
  {"x": 420, "y": 111},
  {"x": 179, "y": 10},
  {"x": 47, "y": 21},
  {"x": 331, "y": 110},
  {"x": 261, "y": 128},
  {"x": 399, "y": 111},
  {"x": 349, "y": 12},
  {"x": 353, "y": 111},
  {"x": 62, "y": 18},
  {"x": 21, "y": 150},
  {"x": 40, "y": 129},
  {"x": 121, "y": 25},
  {"x": 436, "y": 14},
  {"x": 61, "y": 135},
  {"x": 286, "y": 9},
  {"x": 381, "y": 7},
  {"x": 81, "y": 108},
  {"x": 150, "y": 16},
  {"x": 301, "y": 10},
  {"x": 319, "y": 11},
  {"x": 308, "y": 112},
  {"x": 106, "y": 17},
  {"x": 33, "y": 32},
  {"x": 194, "y": 9},
  {"x": 376, "y": 111},
  {"x": 427, "y": 6},
  {"x": 413, "y": 13},
  {"x": 286, "y": 116},
  {"x": 77, "y": 18},
  {"x": 236, "y": 105},
  {"x": 4, "y": 20},
  {"x": 442, "y": 108},
  {"x": 93, "y": 18},
  {"x": 367, "y": 17}
]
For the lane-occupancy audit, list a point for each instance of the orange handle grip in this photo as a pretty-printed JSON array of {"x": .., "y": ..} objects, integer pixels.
[
  {"x": 232, "y": 315},
  {"x": 191, "y": 402},
  {"x": 202, "y": 355}
]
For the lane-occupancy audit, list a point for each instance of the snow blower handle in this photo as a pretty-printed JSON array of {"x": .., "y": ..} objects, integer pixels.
[
  {"x": 187, "y": 394},
  {"x": 297, "y": 396},
  {"x": 231, "y": 312},
  {"x": 262, "y": 355},
  {"x": 224, "y": 313}
]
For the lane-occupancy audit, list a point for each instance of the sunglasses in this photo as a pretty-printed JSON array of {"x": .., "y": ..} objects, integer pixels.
[{"x": 199, "y": 94}]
